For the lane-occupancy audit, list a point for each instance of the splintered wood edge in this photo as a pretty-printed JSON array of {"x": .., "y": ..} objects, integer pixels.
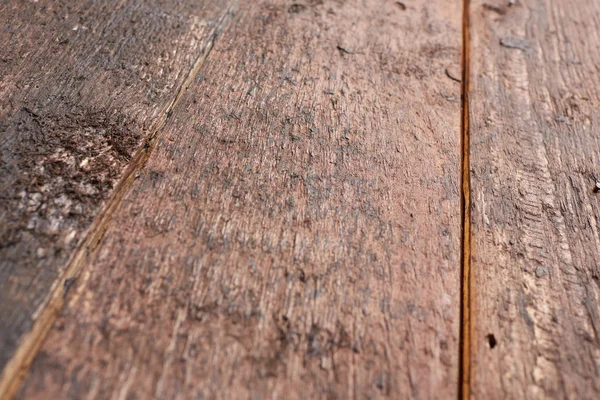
[{"x": 17, "y": 367}]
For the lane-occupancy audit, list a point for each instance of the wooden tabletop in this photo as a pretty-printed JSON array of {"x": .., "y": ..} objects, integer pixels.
[{"x": 323, "y": 199}]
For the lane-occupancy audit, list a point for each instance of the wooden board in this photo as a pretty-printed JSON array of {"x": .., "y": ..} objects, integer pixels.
[
  {"x": 82, "y": 85},
  {"x": 534, "y": 152},
  {"x": 296, "y": 232}
]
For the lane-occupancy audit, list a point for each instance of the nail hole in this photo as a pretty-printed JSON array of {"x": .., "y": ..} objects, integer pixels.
[
  {"x": 401, "y": 5},
  {"x": 491, "y": 340}
]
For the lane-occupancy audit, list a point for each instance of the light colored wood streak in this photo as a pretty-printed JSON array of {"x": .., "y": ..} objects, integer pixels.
[
  {"x": 296, "y": 232},
  {"x": 534, "y": 114}
]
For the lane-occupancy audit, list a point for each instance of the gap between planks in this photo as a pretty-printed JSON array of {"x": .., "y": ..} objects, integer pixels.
[
  {"x": 18, "y": 366},
  {"x": 465, "y": 197}
]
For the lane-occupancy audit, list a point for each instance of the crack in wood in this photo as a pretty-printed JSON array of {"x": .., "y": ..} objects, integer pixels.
[{"x": 466, "y": 289}]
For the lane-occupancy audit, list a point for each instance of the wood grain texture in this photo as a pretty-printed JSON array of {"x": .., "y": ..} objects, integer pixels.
[
  {"x": 534, "y": 152},
  {"x": 296, "y": 232},
  {"x": 82, "y": 85}
]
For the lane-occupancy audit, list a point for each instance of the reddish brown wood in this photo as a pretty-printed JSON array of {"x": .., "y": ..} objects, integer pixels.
[
  {"x": 82, "y": 85},
  {"x": 296, "y": 232},
  {"x": 534, "y": 154}
]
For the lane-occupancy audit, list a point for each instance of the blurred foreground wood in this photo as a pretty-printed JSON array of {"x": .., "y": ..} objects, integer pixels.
[{"x": 84, "y": 88}]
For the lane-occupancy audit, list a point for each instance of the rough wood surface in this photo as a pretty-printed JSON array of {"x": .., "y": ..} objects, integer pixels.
[
  {"x": 296, "y": 232},
  {"x": 534, "y": 133},
  {"x": 82, "y": 85}
]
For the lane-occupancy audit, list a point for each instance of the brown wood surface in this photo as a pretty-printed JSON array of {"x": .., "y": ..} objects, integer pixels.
[
  {"x": 296, "y": 231},
  {"x": 82, "y": 85},
  {"x": 534, "y": 133}
]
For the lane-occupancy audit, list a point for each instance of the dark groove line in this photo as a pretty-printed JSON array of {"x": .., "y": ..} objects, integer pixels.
[
  {"x": 466, "y": 319},
  {"x": 17, "y": 367}
]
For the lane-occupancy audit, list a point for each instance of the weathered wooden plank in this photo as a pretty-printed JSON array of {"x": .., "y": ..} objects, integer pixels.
[
  {"x": 296, "y": 232},
  {"x": 534, "y": 152},
  {"x": 82, "y": 85}
]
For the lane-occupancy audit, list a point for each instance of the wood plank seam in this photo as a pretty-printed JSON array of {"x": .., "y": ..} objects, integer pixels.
[
  {"x": 466, "y": 298},
  {"x": 16, "y": 369}
]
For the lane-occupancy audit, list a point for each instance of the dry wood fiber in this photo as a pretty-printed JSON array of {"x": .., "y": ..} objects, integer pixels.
[
  {"x": 296, "y": 232},
  {"x": 534, "y": 117}
]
